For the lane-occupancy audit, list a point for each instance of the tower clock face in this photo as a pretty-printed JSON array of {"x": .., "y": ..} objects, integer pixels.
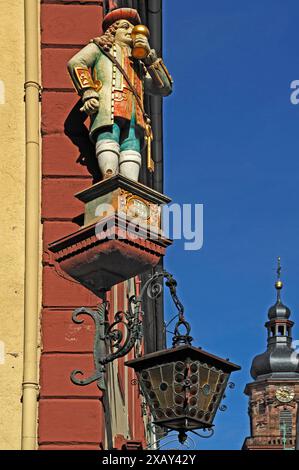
[{"x": 285, "y": 394}]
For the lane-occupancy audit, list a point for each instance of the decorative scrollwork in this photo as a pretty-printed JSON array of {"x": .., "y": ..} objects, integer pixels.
[
  {"x": 120, "y": 342},
  {"x": 154, "y": 290},
  {"x": 98, "y": 317},
  {"x": 209, "y": 431},
  {"x": 125, "y": 331},
  {"x": 222, "y": 408}
]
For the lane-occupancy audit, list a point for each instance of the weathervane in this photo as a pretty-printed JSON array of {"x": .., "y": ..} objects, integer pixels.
[
  {"x": 278, "y": 283},
  {"x": 278, "y": 268}
]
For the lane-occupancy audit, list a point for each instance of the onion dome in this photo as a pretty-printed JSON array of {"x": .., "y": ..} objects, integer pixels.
[
  {"x": 280, "y": 360},
  {"x": 278, "y": 310}
]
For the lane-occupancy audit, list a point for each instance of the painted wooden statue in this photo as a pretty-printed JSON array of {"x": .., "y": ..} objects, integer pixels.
[{"x": 123, "y": 68}]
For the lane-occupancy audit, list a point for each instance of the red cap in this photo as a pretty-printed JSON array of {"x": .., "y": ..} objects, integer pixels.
[{"x": 121, "y": 14}]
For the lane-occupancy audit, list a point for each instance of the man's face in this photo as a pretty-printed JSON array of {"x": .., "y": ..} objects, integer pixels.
[{"x": 123, "y": 33}]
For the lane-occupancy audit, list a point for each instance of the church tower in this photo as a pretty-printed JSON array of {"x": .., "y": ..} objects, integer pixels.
[{"x": 274, "y": 394}]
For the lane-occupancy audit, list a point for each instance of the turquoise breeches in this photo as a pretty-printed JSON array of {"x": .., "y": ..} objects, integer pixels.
[{"x": 125, "y": 133}]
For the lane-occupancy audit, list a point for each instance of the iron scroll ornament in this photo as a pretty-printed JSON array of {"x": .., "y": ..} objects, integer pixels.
[{"x": 111, "y": 343}]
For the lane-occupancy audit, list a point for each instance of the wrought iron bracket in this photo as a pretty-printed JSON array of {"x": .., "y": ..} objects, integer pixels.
[
  {"x": 99, "y": 350},
  {"x": 110, "y": 342},
  {"x": 115, "y": 340}
]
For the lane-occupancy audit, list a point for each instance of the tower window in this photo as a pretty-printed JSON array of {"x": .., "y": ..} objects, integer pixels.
[
  {"x": 285, "y": 421},
  {"x": 281, "y": 330},
  {"x": 262, "y": 408}
]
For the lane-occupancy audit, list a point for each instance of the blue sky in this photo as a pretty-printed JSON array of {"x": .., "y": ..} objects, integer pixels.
[{"x": 231, "y": 143}]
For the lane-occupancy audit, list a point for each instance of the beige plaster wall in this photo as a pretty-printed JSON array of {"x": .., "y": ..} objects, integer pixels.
[{"x": 12, "y": 180}]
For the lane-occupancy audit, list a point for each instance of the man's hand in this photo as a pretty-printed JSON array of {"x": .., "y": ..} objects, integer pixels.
[
  {"x": 151, "y": 58},
  {"x": 91, "y": 102},
  {"x": 142, "y": 41}
]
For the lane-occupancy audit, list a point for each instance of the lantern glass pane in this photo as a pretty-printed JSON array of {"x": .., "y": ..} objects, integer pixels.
[
  {"x": 183, "y": 394},
  {"x": 167, "y": 373},
  {"x": 155, "y": 377},
  {"x": 204, "y": 374},
  {"x": 214, "y": 378}
]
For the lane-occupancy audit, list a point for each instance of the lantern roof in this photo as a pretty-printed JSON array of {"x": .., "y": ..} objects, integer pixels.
[{"x": 181, "y": 353}]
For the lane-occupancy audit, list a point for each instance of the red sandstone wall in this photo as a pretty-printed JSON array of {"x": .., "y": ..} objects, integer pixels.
[{"x": 70, "y": 417}]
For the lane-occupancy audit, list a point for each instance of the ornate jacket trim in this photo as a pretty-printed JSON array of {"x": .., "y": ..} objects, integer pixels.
[{"x": 85, "y": 79}]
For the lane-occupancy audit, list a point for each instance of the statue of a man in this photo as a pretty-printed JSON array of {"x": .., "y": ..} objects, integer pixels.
[{"x": 112, "y": 94}]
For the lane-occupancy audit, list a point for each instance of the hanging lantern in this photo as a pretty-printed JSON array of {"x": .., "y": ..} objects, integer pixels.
[{"x": 183, "y": 386}]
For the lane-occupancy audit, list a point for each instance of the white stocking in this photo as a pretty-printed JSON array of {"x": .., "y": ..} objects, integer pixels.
[
  {"x": 129, "y": 164},
  {"x": 107, "y": 153}
]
